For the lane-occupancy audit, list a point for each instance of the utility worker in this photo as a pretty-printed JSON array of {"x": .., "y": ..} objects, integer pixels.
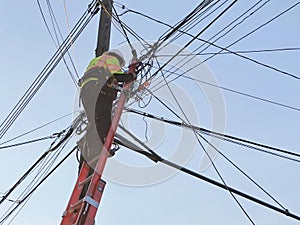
[{"x": 98, "y": 91}]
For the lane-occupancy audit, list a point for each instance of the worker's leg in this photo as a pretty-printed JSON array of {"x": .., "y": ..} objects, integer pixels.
[
  {"x": 90, "y": 143},
  {"x": 103, "y": 115}
]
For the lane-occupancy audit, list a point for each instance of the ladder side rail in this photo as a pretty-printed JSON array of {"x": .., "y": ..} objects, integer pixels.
[
  {"x": 88, "y": 212},
  {"x": 68, "y": 216}
]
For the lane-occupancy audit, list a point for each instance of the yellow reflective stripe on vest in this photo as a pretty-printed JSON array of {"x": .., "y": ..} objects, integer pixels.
[
  {"x": 88, "y": 80},
  {"x": 106, "y": 61}
]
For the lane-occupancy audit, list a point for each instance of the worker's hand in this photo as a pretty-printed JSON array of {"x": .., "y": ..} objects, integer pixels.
[
  {"x": 143, "y": 86},
  {"x": 134, "y": 76}
]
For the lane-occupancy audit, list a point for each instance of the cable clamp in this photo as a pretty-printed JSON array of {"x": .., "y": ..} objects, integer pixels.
[{"x": 91, "y": 201}]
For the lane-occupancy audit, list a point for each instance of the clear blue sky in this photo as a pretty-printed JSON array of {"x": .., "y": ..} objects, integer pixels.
[{"x": 26, "y": 47}]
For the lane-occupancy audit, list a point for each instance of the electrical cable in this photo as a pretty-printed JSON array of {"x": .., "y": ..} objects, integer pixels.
[
  {"x": 236, "y": 51},
  {"x": 35, "y": 188},
  {"x": 226, "y": 137},
  {"x": 156, "y": 158},
  {"x": 69, "y": 30},
  {"x": 189, "y": 59},
  {"x": 68, "y": 134},
  {"x": 258, "y": 28},
  {"x": 45, "y": 165},
  {"x": 123, "y": 28},
  {"x": 37, "y": 128},
  {"x": 56, "y": 43},
  {"x": 55, "y": 24},
  {"x": 210, "y": 43},
  {"x": 195, "y": 37},
  {"x": 208, "y": 155},
  {"x": 243, "y": 18},
  {"x": 181, "y": 75},
  {"x": 27, "y": 142},
  {"x": 53, "y": 62}
]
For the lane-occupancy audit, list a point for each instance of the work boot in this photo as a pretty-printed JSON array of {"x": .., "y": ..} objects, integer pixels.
[
  {"x": 113, "y": 150},
  {"x": 111, "y": 153}
]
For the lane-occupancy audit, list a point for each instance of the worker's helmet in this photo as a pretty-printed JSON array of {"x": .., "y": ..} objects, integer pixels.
[{"x": 118, "y": 54}]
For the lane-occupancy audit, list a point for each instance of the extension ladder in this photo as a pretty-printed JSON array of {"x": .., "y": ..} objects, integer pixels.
[
  {"x": 77, "y": 209},
  {"x": 83, "y": 211}
]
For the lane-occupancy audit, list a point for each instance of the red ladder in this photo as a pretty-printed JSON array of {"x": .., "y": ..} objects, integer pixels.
[{"x": 83, "y": 211}]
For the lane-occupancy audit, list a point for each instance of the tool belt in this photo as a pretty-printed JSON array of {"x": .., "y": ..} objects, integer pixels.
[{"x": 100, "y": 75}]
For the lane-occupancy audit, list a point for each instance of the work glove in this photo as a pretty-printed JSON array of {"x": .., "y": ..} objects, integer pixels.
[{"x": 134, "y": 76}]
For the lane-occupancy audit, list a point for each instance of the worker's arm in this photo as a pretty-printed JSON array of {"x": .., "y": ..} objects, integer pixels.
[{"x": 124, "y": 77}]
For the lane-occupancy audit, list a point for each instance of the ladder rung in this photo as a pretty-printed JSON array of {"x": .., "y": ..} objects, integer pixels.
[
  {"x": 81, "y": 183},
  {"x": 76, "y": 205}
]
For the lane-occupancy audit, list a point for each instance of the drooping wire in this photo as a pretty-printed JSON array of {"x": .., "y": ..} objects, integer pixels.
[
  {"x": 45, "y": 162},
  {"x": 25, "y": 199},
  {"x": 156, "y": 158},
  {"x": 181, "y": 75},
  {"x": 236, "y": 51},
  {"x": 41, "y": 158},
  {"x": 243, "y": 18},
  {"x": 56, "y": 42},
  {"x": 27, "y": 142},
  {"x": 258, "y": 28},
  {"x": 205, "y": 41},
  {"x": 37, "y": 128},
  {"x": 197, "y": 135},
  {"x": 195, "y": 37},
  {"x": 230, "y": 138},
  {"x": 189, "y": 58},
  {"x": 228, "y": 51},
  {"x": 53, "y": 62},
  {"x": 69, "y": 30}
]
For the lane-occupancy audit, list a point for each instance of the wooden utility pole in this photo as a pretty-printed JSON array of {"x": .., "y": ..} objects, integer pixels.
[
  {"x": 104, "y": 27},
  {"x": 83, "y": 211}
]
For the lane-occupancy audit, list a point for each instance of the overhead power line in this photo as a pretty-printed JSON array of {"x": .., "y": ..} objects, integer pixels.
[
  {"x": 156, "y": 158},
  {"x": 226, "y": 137},
  {"x": 28, "y": 142},
  {"x": 236, "y": 51},
  {"x": 68, "y": 134},
  {"x": 225, "y": 48},
  {"x": 20, "y": 202},
  {"x": 53, "y": 62},
  {"x": 181, "y": 75},
  {"x": 194, "y": 37},
  {"x": 37, "y": 128},
  {"x": 255, "y": 30},
  {"x": 56, "y": 42},
  {"x": 44, "y": 163}
]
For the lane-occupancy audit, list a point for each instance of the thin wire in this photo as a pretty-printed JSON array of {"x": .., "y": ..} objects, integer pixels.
[
  {"x": 222, "y": 136},
  {"x": 69, "y": 31},
  {"x": 189, "y": 59},
  {"x": 56, "y": 43},
  {"x": 44, "y": 165},
  {"x": 37, "y": 128},
  {"x": 207, "y": 154},
  {"x": 195, "y": 37},
  {"x": 27, "y": 142},
  {"x": 35, "y": 188},
  {"x": 229, "y": 90},
  {"x": 236, "y": 51},
  {"x": 42, "y": 77},
  {"x": 220, "y": 52},
  {"x": 258, "y": 28},
  {"x": 156, "y": 158}
]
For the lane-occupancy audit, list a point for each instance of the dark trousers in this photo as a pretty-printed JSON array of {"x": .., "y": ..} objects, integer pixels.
[{"x": 98, "y": 109}]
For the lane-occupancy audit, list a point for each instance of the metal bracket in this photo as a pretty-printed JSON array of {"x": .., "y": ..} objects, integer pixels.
[{"x": 91, "y": 201}]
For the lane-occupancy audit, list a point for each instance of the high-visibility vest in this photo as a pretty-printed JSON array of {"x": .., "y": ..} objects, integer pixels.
[{"x": 108, "y": 62}]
